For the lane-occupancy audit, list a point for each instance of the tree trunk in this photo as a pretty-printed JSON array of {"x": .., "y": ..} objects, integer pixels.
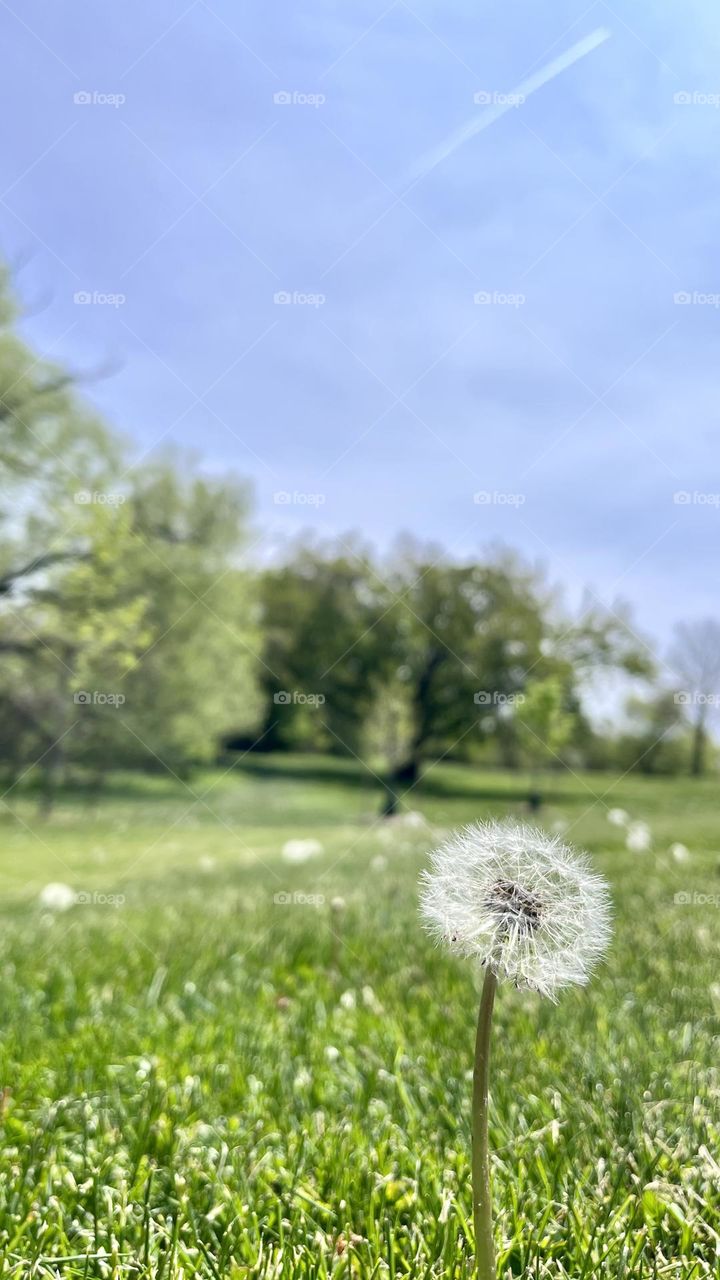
[
  {"x": 405, "y": 775},
  {"x": 535, "y": 798},
  {"x": 51, "y": 776},
  {"x": 390, "y": 802},
  {"x": 507, "y": 746},
  {"x": 697, "y": 762},
  {"x": 46, "y": 796}
]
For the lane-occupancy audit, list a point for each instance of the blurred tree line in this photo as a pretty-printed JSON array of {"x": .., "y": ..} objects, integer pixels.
[
  {"x": 127, "y": 626},
  {"x": 135, "y": 634},
  {"x": 417, "y": 657}
]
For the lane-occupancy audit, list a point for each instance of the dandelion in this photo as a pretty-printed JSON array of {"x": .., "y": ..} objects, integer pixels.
[
  {"x": 679, "y": 852},
  {"x": 370, "y": 1000},
  {"x": 638, "y": 838},
  {"x": 301, "y": 850},
  {"x": 530, "y": 910},
  {"x": 413, "y": 819},
  {"x": 58, "y": 897},
  {"x": 618, "y": 817}
]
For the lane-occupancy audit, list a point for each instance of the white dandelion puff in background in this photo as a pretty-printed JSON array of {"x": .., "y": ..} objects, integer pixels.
[
  {"x": 524, "y": 904},
  {"x": 618, "y": 817},
  {"x": 680, "y": 852},
  {"x": 58, "y": 897},
  {"x": 638, "y": 838},
  {"x": 414, "y": 820},
  {"x": 301, "y": 850}
]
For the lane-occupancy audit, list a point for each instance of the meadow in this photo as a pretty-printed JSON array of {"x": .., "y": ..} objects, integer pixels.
[{"x": 220, "y": 1063}]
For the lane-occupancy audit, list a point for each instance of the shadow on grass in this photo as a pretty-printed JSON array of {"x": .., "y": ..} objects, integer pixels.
[
  {"x": 451, "y": 781},
  {"x": 465, "y": 785}
]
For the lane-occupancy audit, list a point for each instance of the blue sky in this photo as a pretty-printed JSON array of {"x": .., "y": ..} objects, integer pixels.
[{"x": 397, "y": 397}]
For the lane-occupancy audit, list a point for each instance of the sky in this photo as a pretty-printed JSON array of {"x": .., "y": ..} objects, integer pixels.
[{"x": 319, "y": 246}]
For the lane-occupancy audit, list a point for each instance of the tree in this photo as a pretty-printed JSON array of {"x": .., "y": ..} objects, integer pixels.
[
  {"x": 325, "y": 641},
  {"x": 126, "y": 617},
  {"x": 464, "y": 636},
  {"x": 601, "y": 639},
  {"x": 88, "y": 623},
  {"x": 195, "y": 678},
  {"x": 657, "y": 741},
  {"x": 54, "y": 453},
  {"x": 388, "y": 735},
  {"x": 419, "y": 655},
  {"x": 695, "y": 657},
  {"x": 544, "y": 725}
]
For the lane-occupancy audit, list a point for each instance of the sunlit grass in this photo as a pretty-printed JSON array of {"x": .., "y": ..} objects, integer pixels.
[{"x": 206, "y": 1080}]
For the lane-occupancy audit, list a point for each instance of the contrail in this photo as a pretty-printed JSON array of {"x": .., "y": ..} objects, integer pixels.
[{"x": 433, "y": 158}]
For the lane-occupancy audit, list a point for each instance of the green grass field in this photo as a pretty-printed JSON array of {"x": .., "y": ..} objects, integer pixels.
[{"x": 208, "y": 1075}]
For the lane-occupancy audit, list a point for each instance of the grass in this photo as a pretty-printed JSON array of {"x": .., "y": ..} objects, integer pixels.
[{"x": 203, "y": 1080}]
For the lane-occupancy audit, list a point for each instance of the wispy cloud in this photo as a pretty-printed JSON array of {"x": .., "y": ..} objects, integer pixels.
[{"x": 504, "y": 103}]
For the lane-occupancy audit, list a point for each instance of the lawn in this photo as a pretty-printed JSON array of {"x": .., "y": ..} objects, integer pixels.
[{"x": 221, "y": 1064}]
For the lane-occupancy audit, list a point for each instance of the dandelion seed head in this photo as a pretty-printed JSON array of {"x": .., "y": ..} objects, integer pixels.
[
  {"x": 413, "y": 819},
  {"x": 638, "y": 838},
  {"x": 521, "y": 902},
  {"x": 618, "y": 817},
  {"x": 301, "y": 850},
  {"x": 58, "y": 897}
]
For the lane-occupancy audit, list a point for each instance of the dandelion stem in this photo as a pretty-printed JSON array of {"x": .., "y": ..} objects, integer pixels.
[{"x": 482, "y": 1201}]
